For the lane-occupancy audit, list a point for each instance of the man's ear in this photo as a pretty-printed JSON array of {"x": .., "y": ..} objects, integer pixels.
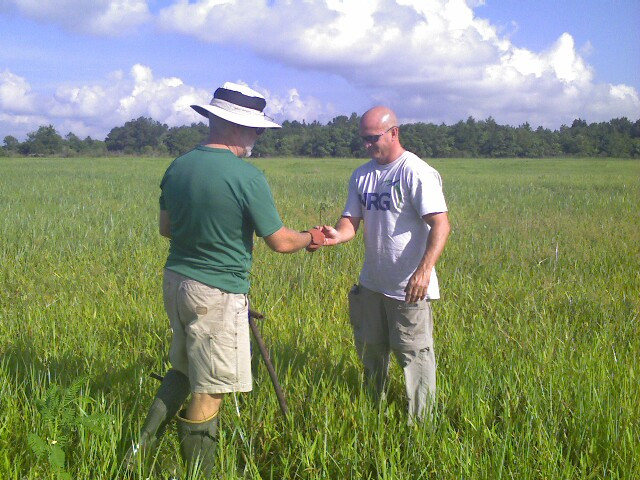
[{"x": 238, "y": 130}]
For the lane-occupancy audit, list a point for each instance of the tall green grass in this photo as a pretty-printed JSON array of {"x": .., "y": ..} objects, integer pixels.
[{"x": 537, "y": 334}]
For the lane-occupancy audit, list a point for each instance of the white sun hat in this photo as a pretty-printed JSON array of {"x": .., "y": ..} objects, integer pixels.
[{"x": 237, "y": 104}]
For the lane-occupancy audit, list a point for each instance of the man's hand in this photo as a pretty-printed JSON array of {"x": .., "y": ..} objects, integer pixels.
[
  {"x": 331, "y": 235},
  {"x": 416, "y": 288},
  {"x": 164, "y": 224},
  {"x": 317, "y": 239},
  {"x": 344, "y": 230}
]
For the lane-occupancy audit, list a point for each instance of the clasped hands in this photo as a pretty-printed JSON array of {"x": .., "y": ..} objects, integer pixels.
[{"x": 321, "y": 236}]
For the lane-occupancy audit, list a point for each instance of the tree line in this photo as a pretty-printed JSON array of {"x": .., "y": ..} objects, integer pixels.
[{"x": 618, "y": 137}]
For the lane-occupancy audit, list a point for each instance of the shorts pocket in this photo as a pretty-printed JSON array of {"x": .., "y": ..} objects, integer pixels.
[
  {"x": 223, "y": 348},
  {"x": 211, "y": 323},
  {"x": 201, "y": 300}
]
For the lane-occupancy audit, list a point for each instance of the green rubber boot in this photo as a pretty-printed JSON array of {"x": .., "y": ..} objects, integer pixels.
[
  {"x": 198, "y": 442},
  {"x": 170, "y": 396}
]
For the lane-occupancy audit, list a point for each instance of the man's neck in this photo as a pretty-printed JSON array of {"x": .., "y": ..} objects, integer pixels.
[
  {"x": 392, "y": 157},
  {"x": 236, "y": 150}
]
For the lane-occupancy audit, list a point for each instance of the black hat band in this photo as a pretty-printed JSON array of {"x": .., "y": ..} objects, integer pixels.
[{"x": 237, "y": 98}]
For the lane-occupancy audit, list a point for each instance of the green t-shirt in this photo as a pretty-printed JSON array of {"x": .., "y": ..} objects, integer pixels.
[{"x": 216, "y": 202}]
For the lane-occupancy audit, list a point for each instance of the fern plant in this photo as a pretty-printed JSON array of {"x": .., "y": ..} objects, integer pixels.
[{"x": 62, "y": 414}]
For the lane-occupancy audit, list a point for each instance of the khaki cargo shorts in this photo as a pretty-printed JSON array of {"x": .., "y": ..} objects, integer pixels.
[{"x": 210, "y": 343}]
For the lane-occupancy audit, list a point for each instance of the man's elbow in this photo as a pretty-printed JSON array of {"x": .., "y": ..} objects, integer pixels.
[
  {"x": 278, "y": 247},
  {"x": 439, "y": 224},
  {"x": 277, "y": 241},
  {"x": 286, "y": 240},
  {"x": 446, "y": 226}
]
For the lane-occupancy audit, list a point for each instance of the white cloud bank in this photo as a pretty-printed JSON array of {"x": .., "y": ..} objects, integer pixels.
[
  {"x": 430, "y": 60},
  {"x": 96, "y": 17},
  {"x": 95, "y": 109}
]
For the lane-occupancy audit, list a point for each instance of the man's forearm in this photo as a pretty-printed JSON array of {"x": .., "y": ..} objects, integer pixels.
[
  {"x": 344, "y": 230},
  {"x": 435, "y": 244},
  {"x": 286, "y": 240}
]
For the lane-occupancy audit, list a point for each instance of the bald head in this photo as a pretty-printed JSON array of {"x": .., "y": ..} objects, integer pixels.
[
  {"x": 379, "y": 117},
  {"x": 380, "y": 138}
]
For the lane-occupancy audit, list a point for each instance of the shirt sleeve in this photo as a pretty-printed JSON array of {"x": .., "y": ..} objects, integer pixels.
[
  {"x": 426, "y": 192},
  {"x": 353, "y": 208},
  {"x": 261, "y": 207}
]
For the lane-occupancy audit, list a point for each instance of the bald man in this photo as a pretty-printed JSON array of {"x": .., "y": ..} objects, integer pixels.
[{"x": 399, "y": 198}]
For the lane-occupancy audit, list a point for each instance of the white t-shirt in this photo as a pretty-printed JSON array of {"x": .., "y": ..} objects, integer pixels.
[{"x": 391, "y": 199}]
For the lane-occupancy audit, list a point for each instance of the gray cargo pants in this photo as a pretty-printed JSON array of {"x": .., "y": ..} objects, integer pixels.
[{"x": 381, "y": 325}]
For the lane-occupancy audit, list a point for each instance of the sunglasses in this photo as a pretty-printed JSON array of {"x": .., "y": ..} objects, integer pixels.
[
  {"x": 259, "y": 131},
  {"x": 374, "y": 138}
]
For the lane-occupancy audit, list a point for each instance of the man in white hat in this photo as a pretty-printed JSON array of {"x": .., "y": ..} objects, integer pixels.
[{"x": 211, "y": 204}]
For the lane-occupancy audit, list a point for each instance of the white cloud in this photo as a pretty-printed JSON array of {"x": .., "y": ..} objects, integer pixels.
[
  {"x": 155, "y": 98},
  {"x": 15, "y": 94},
  {"x": 623, "y": 92},
  {"x": 586, "y": 49},
  {"x": 95, "y": 109},
  {"x": 566, "y": 63},
  {"x": 166, "y": 100},
  {"x": 100, "y": 17},
  {"x": 429, "y": 59},
  {"x": 292, "y": 106}
]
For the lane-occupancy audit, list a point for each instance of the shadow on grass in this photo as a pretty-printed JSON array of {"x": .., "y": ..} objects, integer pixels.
[{"x": 25, "y": 362}]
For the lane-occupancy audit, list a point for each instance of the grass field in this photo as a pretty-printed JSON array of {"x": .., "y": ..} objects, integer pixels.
[{"x": 537, "y": 334}]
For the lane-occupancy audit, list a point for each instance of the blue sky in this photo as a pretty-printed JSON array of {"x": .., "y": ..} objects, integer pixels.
[{"x": 86, "y": 67}]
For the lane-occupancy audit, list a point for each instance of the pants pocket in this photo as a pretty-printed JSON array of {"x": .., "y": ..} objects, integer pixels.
[
  {"x": 410, "y": 324},
  {"x": 355, "y": 309}
]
